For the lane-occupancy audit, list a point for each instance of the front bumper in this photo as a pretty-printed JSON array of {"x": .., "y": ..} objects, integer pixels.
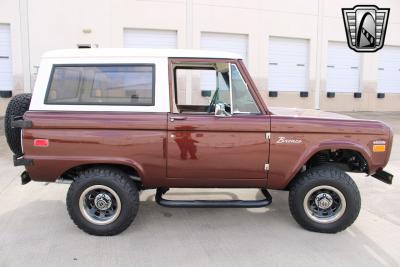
[{"x": 383, "y": 176}]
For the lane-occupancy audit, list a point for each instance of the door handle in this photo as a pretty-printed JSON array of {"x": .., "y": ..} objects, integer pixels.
[{"x": 177, "y": 118}]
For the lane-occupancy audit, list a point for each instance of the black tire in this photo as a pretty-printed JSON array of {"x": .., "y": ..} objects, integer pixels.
[
  {"x": 112, "y": 178},
  {"x": 17, "y": 106},
  {"x": 329, "y": 177}
]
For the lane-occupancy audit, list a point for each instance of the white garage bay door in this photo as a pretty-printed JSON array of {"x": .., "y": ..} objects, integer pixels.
[
  {"x": 288, "y": 65},
  {"x": 5, "y": 58},
  {"x": 138, "y": 38},
  {"x": 389, "y": 70},
  {"x": 227, "y": 42},
  {"x": 343, "y": 68}
]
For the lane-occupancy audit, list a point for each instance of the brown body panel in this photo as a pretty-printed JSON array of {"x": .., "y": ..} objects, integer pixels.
[
  {"x": 319, "y": 134},
  {"x": 77, "y": 138},
  {"x": 200, "y": 151},
  {"x": 140, "y": 141},
  {"x": 212, "y": 148}
]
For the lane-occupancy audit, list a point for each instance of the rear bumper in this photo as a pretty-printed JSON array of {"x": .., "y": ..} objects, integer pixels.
[
  {"x": 21, "y": 161},
  {"x": 383, "y": 176}
]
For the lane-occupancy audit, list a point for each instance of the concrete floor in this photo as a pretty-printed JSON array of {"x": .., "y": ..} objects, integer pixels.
[{"x": 36, "y": 229}]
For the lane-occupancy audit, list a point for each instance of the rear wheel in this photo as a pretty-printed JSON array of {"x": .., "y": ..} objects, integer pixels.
[
  {"x": 324, "y": 199},
  {"x": 103, "y": 201}
]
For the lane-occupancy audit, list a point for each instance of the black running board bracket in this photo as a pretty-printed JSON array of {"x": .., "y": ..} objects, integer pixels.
[{"x": 212, "y": 203}]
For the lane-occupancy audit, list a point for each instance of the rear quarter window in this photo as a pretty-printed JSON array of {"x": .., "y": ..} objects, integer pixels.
[{"x": 131, "y": 84}]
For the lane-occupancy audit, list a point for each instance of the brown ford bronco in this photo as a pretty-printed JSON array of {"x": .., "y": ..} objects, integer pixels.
[{"x": 113, "y": 122}]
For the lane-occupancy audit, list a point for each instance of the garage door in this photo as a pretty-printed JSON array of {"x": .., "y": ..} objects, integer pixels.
[
  {"x": 5, "y": 58},
  {"x": 288, "y": 64},
  {"x": 227, "y": 42},
  {"x": 135, "y": 38},
  {"x": 343, "y": 68},
  {"x": 234, "y": 43},
  {"x": 389, "y": 70}
]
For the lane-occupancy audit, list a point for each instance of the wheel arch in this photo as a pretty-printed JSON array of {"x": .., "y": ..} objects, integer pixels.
[
  {"x": 133, "y": 172},
  {"x": 309, "y": 155}
]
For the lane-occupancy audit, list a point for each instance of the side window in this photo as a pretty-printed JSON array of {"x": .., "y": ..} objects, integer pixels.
[
  {"x": 102, "y": 85},
  {"x": 62, "y": 79},
  {"x": 199, "y": 87},
  {"x": 196, "y": 86}
]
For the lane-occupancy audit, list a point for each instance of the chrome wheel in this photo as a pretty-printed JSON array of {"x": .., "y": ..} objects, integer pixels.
[
  {"x": 324, "y": 204},
  {"x": 100, "y": 204}
]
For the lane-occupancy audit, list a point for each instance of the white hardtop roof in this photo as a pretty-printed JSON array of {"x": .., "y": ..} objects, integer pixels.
[{"x": 138, "y": 52}]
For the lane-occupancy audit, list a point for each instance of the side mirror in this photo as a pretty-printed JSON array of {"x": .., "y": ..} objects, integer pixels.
[{"x": 220, "y": 110}]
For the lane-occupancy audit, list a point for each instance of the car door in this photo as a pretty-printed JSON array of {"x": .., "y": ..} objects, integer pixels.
[{"x": 208, "y": 150}]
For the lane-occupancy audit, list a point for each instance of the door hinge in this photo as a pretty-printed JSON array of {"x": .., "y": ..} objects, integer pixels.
[
  {"x": 266, "y": 167},
  {"x": 268, "y": 136}
]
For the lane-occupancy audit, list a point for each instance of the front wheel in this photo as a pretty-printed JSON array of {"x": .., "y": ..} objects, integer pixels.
[
  {"x": 324, "y": 199},
  {"x": 102, "y": 201}
]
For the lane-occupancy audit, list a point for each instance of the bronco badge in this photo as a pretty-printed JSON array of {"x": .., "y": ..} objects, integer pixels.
[{"x": 284, "y": 140}]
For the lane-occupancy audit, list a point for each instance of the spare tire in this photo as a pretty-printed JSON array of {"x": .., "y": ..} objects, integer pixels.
[{"x": 17, "y": 106}]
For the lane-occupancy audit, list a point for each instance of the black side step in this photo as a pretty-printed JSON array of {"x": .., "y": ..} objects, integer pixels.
[{"x": 212, "y": 203}]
